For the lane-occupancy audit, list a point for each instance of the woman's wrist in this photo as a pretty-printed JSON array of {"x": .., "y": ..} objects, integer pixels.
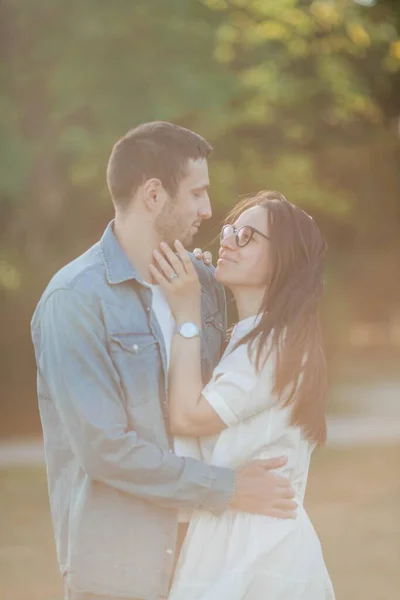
[{"x": 188, "y": 317}]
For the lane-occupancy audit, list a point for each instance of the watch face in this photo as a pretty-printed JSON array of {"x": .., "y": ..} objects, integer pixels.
[{"x": 189, "y": 330}]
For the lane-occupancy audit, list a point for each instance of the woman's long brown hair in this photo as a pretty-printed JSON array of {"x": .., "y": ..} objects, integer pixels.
[{"x": 289, "y": 310}]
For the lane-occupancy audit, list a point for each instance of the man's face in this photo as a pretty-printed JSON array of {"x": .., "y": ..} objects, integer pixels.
[{"x": 182, "y": 215}]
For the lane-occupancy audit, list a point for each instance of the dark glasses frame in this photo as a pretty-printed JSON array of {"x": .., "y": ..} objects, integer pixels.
[{"x": 236, "y": 232}]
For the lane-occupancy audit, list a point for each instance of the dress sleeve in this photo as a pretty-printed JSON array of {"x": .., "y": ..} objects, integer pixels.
[{"x": 236, "y": 390}]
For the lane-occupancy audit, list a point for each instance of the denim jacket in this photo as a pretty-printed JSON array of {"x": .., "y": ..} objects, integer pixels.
[{"x": 115, "y": 485}]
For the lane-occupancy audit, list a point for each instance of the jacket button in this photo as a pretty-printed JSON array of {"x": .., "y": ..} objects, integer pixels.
[
  {"x": 135, "y": 349},
  {"x": 169, "y": 551}
]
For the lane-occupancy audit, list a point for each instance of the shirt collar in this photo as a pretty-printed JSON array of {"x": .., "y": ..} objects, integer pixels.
[
  {"x": 118, "y": 266},
  {"x": 244, "y": 326}
]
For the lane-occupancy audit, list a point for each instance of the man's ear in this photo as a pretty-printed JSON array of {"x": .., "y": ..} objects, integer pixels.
[{"x": 154, "y": 195}]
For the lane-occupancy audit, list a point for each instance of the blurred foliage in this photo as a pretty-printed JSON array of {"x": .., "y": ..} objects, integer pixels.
[{"x": 296, "y": 95}]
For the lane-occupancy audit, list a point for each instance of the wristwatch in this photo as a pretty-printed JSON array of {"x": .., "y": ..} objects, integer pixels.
[{"x": 188, "y": 330}]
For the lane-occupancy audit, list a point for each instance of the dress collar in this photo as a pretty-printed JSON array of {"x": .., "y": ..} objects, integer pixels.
[{"x": 244, "y": 326}]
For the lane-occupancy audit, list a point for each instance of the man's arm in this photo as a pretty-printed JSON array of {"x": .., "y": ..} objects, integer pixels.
[{"x": 84, "y": 386}]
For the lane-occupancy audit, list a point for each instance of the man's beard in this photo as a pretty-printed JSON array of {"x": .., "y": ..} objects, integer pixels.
[{"x": 169, "y": 227}]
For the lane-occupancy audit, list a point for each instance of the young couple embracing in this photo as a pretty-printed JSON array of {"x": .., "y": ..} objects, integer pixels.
[{"x": 177, "y": 463}]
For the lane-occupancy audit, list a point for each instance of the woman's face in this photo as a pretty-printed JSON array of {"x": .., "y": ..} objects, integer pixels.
[{"x": 246, "y": 266}]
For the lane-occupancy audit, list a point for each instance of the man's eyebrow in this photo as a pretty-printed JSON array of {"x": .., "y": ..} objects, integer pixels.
[{"x": 205, "y": 186}]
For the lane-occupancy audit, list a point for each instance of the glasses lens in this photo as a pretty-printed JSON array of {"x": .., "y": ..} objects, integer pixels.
[
  {"x": 245, "y": 234},
  {"x": 226, "y": 231}
]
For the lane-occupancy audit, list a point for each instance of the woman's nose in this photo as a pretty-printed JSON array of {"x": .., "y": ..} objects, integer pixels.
[{"x": 229, "y": 242}]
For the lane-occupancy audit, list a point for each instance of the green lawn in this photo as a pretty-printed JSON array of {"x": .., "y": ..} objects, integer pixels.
[{"x": 353, "y": 499}]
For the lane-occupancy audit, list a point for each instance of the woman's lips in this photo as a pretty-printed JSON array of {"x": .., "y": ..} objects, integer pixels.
[{"x": 225, "y": 259}]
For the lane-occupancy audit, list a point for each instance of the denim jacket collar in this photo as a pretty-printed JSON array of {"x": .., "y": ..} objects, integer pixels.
[{"x": 117, "y": 265}]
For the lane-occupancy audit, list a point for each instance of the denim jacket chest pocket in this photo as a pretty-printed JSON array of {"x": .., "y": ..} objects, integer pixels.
[{"x": 137, "y": 358}]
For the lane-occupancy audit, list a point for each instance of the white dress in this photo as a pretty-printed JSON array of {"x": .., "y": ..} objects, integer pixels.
[{"x": 238, "y": 556}]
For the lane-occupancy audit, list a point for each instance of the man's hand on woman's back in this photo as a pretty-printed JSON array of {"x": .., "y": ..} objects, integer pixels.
[{"x": 261, "y": 491}]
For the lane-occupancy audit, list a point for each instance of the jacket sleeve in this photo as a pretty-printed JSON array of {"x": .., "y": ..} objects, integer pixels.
[
  {"x": 81, "y": 380},
  {"x": 221, "y": 299}
]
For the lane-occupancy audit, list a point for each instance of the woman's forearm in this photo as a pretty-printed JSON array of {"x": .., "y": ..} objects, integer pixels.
[
  {"x": 190, "y": 413},
  {"x": 185, "y": 380}
]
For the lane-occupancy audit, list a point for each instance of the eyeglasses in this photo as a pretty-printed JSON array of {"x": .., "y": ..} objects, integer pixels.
[{"x": 243, "y": 235}]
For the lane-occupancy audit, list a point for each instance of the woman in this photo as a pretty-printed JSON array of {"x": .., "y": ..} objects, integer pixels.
[{"x": 266, "y": 397}]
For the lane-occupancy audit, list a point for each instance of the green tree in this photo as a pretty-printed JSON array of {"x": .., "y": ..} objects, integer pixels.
[{"x": 297, "y": 95}]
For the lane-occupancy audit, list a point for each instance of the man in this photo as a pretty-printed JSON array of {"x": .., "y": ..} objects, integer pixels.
[{"x": 115, "y": 483}]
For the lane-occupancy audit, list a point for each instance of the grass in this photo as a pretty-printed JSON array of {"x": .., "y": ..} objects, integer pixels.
[
  {"x": 28, "y": 566},
  {"x": 353, "y": 499}
]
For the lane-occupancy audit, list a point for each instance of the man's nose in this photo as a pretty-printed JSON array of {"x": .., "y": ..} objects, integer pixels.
[{"x": 205, "y": 211}]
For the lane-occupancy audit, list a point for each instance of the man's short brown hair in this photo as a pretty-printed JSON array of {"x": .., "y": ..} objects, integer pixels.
[{"x": 157, "y": 149}]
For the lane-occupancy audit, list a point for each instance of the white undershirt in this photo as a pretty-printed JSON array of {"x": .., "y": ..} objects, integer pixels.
[
  {"x": 183, "y": 446},
  {"x": 164, "y": 316}
]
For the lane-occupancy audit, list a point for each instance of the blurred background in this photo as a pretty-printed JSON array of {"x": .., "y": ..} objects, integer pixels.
[{"x": 295, "y": 95}]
